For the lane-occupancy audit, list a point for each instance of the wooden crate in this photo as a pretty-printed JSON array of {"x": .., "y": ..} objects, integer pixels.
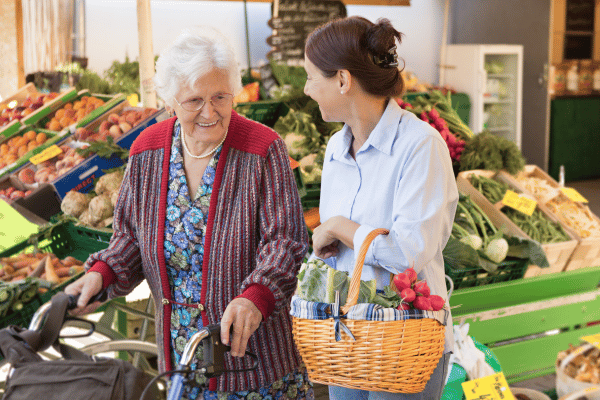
[
  {"x": 587, "y": 252},
  {"x": 558, "y": 254},
  {"x": 30, "y": 90}
]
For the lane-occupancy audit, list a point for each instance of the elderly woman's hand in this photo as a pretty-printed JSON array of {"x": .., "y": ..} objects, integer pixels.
[
  {"x": 86, "y": 287},
  {"x": 327, "y": 236},
  {"x": 245, "y": 318}
]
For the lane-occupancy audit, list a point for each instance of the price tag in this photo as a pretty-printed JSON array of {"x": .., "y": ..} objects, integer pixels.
[
  {"x": 592, "y": 339},
  {"x": 519, "y": 202},
  {"x": 492, "y": 387},
  {"x": 573, "y": 194},
  {"x": 47, "y": 154}
]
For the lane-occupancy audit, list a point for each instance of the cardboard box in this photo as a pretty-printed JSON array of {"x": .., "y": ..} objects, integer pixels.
[
  {"x": 558, "y": 254},
  {"x": 30, "y": 119},
  {"x": 587, "y": 252},
  {"x": 38, "y": 205}
]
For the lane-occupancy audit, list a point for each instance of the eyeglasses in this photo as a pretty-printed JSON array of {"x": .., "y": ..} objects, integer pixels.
[{"x": 196, "y": 103}]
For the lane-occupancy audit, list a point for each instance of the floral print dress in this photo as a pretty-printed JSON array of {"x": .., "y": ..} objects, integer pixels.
[{"x": 185, "y": 228}]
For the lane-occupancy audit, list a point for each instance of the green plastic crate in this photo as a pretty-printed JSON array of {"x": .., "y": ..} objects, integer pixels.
[
  {"x": 508, "y": 270},
  {"x": 65, "y": 240},
  {"x": 266, "y": 112}
]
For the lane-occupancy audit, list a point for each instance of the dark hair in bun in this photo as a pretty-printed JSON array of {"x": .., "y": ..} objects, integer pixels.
[{"x": 365, "y": 49}]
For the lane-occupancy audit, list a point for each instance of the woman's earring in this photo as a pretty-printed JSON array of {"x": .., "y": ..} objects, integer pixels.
[{"x": 341, "y": 92}]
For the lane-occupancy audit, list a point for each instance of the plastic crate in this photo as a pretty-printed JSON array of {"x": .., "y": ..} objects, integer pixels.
[
  {"x": 508, "y": 270},
  {"x": 266, "y": 112},
  {"x": 65, "y": 240}
]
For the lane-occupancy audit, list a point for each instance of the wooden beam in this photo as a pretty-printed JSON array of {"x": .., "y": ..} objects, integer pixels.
[
  {"x": 354, "y": 2},
  {"x": 19, "y": 36},
  {"x": 146, "y": 53}
]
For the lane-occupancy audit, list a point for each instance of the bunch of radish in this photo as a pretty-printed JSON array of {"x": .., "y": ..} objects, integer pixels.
[
  {"x": 433, "y": 118},
  {"x": 414, "y": 293}
]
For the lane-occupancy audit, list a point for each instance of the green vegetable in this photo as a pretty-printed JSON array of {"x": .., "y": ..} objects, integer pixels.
[
  {"x": 318, "y": 282},
  {"x": 104, "y": 149},
  {"x": 491, "y": 152},
  {"x": 492, "y": 189},
  {"x": 496, "y": 250}
]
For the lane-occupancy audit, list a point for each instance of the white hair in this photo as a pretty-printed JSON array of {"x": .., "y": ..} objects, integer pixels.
[{"x": 193, "y": 54}]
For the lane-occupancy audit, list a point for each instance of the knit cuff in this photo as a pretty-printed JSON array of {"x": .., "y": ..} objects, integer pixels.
[
  {"x": 108, "y": 275},
  {"x": 262, "y": 298}
]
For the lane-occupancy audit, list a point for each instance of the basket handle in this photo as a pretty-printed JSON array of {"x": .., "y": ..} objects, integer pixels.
[{"x": 358, "y": 266}]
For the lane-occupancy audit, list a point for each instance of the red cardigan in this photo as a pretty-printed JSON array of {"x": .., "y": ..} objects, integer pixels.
[{"x": 255, "y": 242}]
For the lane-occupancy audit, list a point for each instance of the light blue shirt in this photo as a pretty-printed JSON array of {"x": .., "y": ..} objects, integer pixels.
[{"x": 401, "y": 180}]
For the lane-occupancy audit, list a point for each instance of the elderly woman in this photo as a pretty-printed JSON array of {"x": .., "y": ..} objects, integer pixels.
[{"x": 210, "y": 216}]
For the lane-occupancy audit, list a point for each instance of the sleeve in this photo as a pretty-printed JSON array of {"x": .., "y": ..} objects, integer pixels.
[
  {"x": 424, "y": 204},
  {"x": 120, "y": 264},
  {"x": 283, "y": 241}
]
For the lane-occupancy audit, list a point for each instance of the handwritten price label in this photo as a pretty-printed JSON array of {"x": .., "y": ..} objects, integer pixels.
[
  {"x": 519, "y": 203},
  {"x": 592, "y": 339},
  {"x": 573, "y": 194},
  {"x": 492, "y": 387},
  {"x": 47, "y": 154}
]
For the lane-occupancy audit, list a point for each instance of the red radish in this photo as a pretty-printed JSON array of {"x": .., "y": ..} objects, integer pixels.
[
  {"x": 424, "y": 116},
  {"x": 404, "y": 306},
  {"x": 439, "y": 124},
  {"x": 422, "y": 303},
  {"x": 412, "y": 274},
  {"x": 421, "y": 288},
  {"x": 408, "y": 295},
  {"x": 434, "y": 114},
  {"x": 437, "y": 302},
  {"x": 402, "y": 281}
]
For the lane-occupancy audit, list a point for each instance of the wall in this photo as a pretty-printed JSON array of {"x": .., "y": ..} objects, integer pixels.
[
  {"x": 9, "y": 74},
  {"x": 497, "y": 22},
  {"x": 111, "y": 29}
]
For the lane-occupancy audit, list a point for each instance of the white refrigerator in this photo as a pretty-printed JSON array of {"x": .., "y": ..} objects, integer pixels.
[{"x": 492, "y": 76}]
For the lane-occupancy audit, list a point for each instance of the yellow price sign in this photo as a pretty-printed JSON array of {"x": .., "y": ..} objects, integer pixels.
[
  {"x": 518, "y": 202},
  {"x": 47, "y": 154},
  {"x": 573, "y": 194},
  {"x": 592, "y": 339},
  {"x": 491, "y": 387}
]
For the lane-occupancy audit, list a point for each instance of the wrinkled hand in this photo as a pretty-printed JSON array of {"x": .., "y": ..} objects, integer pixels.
[
  {"x": 245, "y": 318},
  {"x": 86, "y": 287}
]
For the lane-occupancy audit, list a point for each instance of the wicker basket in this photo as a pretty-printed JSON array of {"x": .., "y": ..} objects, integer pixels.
[{"x": 389, "y": 356}]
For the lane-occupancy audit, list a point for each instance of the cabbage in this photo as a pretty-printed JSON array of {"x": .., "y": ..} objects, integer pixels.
[{"x": 318, "y": 282}]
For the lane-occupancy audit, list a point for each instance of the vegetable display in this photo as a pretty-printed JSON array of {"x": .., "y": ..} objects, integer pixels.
[
  {"x": 40, "y": 265},
  {"x": 537, "y": 226},
  {"x": 490, "y": 152},
  {"x": 442, "y": 104},
  {"x": 95, "y": 209},
  {"x": 575, "y": 215},
  {"x": 476, "y": 243}
]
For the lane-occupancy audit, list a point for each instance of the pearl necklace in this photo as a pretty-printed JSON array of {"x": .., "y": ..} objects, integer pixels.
[{"x": 202, "y": 155}]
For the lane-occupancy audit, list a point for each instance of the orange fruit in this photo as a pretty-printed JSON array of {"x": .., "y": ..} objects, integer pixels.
[
  {"x": 54, "y": 125},
  {"x": 4, "y": 149},
  {"x": 21, "y": 151},
  {"x": 65, "y": 121},
  {"x": 59, "y": 114},
  {"x": 40, "y": 138},
  {"x": 31, "y": 145},
  {"x": 29, "y": 135},
  {"x": 68, "y": 106}
]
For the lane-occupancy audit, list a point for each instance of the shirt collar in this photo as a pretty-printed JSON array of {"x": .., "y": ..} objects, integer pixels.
[{"x": 382, "y": 137}]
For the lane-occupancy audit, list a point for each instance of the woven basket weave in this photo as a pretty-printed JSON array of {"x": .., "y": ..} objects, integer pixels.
[{"x": 390, "y": 356}]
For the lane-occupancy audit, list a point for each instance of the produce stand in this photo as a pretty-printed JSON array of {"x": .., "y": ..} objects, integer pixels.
[{"x": 512, "y": 318}]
